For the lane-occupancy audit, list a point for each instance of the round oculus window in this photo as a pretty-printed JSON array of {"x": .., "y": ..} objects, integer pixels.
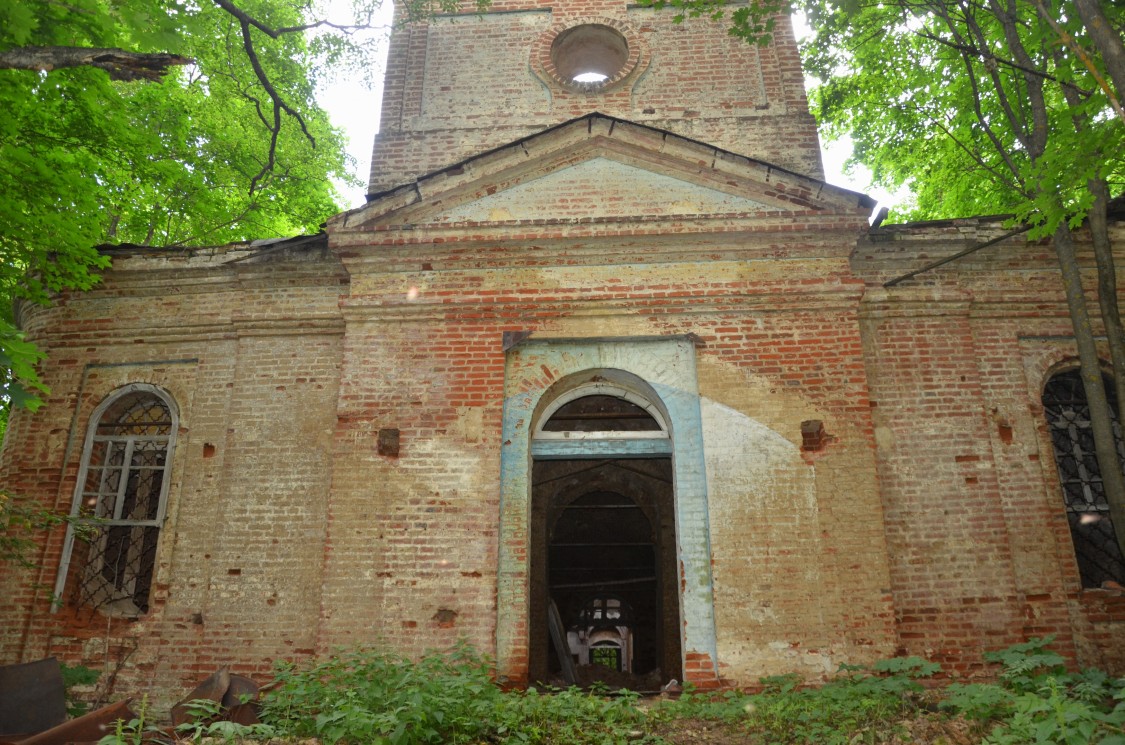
[{"x": 590, "y": 54}]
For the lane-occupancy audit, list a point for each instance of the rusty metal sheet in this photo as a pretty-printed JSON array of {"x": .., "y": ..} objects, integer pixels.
[
  {"x": 212, "y": 688},
  {"x": 243, "y": 713},
  {"x": 236, "y": 694},
  {"x": 32, "y": 698},
  {"x": 240, "y": 701},
  {"x": 89, "y": 727}
]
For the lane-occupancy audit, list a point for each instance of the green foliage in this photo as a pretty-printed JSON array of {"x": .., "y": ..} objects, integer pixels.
[
  {"x": 566, "y": 716},
  {"x": 853, "y": 705},
  {"x": 1038, "y": 701},
  {"x": 754, "y": 21},
  {"x": 85, "y": 160},
  {"x": 88, "y": 160},
  {"x": 367, "y": 696},
  {"x": 19, "y": 521},
  {"x": 728, "y": 706},
  {"x": 859, "y": 705},
  {"x": 205, "y": 723},
  {"x": 1035, "y": 701},
  {"x": 977, "y": 116},
  {"x": 911, "y": 667},
  {"x": 134, "y": 732},
  {"x": 73, "y": 676},
  {"x": 1054, "y": 714},
  {"x": 977, "y": 108},
  {"x": 1026, "y": 667},
  {"x": 232, "y": 147},
  {"x": 977, "y": 701},
  {"x": 370, "y": 697}
]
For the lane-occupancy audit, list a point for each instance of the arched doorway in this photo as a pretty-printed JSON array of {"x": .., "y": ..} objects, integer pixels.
[{"x": 603, "y": 537}]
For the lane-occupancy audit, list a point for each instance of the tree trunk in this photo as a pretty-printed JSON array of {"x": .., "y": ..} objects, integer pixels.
[
  {"x": 1107, "y": 289},
  {"x": 119, "y": 63},
  {"x": 1105, "y": 446},
  {"x": 1106, "y": 40}
]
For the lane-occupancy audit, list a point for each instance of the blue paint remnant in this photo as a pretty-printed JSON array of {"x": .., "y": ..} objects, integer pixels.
[{"x": 664, "y": 367}]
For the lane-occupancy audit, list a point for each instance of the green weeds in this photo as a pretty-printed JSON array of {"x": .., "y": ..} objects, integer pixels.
[
  {"x": 1037, "y": 701},
  {"x": 858, "y": 706},
  {"x": 366, "y": 697},
  {"x": 76, "y": 677},
  {"x": 373, "y": 698}
]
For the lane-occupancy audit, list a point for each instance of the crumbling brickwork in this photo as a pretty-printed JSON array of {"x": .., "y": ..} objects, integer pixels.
[
  {"x": 852, "y": 470},
  {"x": 463, "y": 84},
  {"x": 981, "y": 553}
]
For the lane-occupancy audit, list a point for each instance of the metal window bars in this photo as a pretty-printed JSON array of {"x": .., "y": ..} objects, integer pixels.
[
  {"x": 1091, "y": 525},
  {"x": 110, "y": 550}
]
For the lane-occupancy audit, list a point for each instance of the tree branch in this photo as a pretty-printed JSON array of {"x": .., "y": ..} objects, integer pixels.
[
  {"x": 967, "y": 60},
  {"x": 1040, "y": 126},
  {"x": 280, "y": 105},
  {"x": 275, "y": 33},
  {"x": 1105, "y": 40},
  {"x": 120, "y": 64},
  {"x": 985, "y": 54}
]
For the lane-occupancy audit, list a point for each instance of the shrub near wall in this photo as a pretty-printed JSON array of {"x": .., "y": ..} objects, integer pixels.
[{"x": 366, "y": 696}]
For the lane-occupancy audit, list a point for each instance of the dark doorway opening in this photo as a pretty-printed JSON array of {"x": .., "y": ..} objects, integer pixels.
[{"x": 603, "y": 548}]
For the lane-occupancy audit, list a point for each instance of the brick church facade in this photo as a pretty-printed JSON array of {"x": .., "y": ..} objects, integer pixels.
[{"x": 608, "y": 348}]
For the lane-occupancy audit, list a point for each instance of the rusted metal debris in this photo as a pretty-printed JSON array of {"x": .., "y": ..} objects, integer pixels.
[
  {"x": 236, "y": 694},
  {"x": 88, "y": 728},
  {"x": 33, "y": 703},
  {"x": 32, "y": 698}
]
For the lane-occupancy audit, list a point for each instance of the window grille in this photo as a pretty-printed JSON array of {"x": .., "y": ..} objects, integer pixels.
[
  {"x": 1091, "y": 526},
  {"x": 110, "y": 549}
]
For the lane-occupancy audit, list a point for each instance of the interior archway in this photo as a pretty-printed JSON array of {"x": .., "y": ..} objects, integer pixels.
[{"x": 603, "y": 527}]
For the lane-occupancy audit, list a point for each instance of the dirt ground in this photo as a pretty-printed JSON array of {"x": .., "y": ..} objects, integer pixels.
[{"x": 930, "y": 730}]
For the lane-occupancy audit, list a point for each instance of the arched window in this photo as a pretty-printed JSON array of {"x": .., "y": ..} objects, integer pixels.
[
  {"x": 598, "y": 412},
  {"x": 119, "y": 502},
  {"x": 1091, "y": 526},
  {"x": 601, "y": 418}
]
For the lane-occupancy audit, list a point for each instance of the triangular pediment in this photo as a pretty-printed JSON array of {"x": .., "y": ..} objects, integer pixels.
[
  {"x": 600, "y": 188},
  {"x": 597, "y": 169}
]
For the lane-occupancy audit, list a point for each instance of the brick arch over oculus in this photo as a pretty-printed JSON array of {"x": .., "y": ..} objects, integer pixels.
[
  {"x": 657, "y": 371},
  {"x": 589, "y": 44}
]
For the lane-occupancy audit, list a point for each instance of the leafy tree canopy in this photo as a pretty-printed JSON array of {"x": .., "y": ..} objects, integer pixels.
[
  {"x": 164, "y": 123},
  {"x": 979, "y": 106}
]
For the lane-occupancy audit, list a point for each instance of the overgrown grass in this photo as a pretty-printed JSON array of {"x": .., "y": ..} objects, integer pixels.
[
  {"x": 1034, "y": 700},
  {"x": 368, "y": 697},
  {"x": 859, "y": 706}
]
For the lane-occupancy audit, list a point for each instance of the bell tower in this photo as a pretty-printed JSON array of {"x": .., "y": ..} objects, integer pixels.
[{"x": 462, "y": 84}]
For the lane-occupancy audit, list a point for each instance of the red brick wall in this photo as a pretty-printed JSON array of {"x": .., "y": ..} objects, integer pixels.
[
  {"x": 254, "y": 372},
  {"x": 929, "y": 521},
  {"x": 981, "y": 554},
  {"x": 457, "y": 87}
]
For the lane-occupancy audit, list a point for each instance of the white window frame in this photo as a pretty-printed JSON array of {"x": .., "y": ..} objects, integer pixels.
[
  {"x": 601, "y": 389},
  {"x": 77, "y": 520}
]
